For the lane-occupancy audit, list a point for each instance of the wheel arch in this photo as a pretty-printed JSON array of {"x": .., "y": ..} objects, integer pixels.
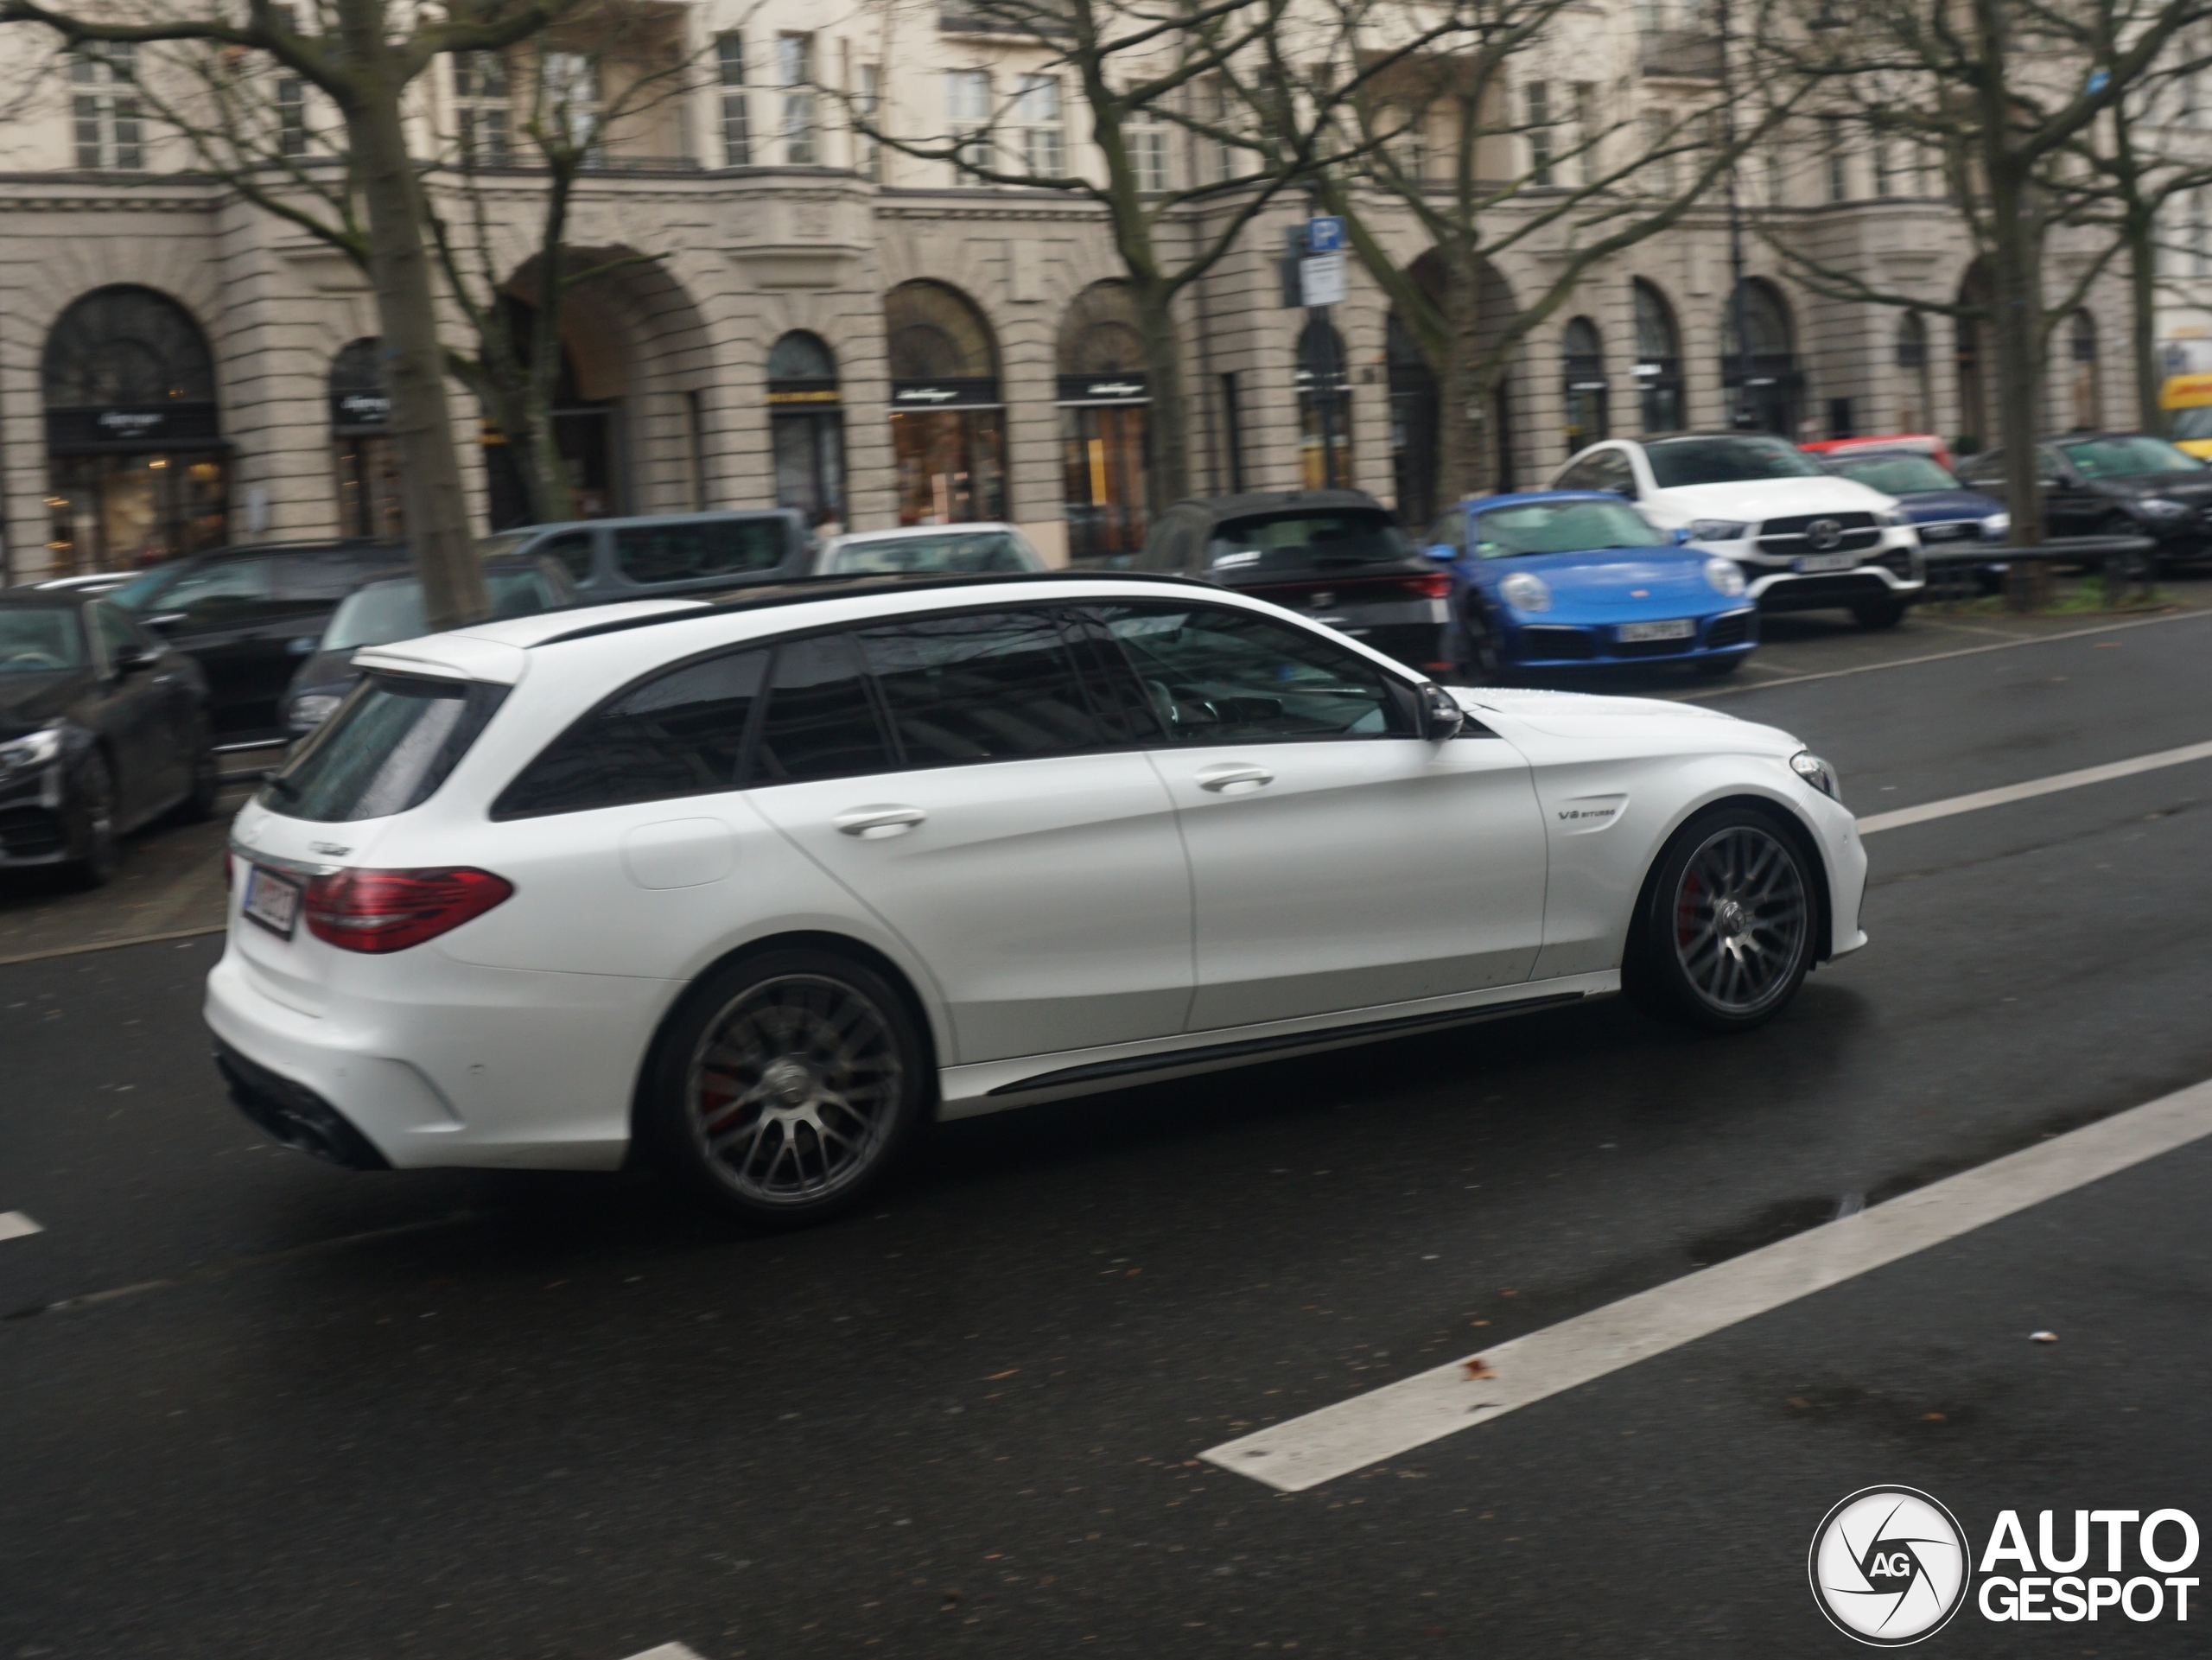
[{"x": 1785, "y": 819}]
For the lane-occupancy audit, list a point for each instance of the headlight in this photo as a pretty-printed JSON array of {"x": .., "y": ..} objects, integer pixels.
[
  {"x": 21, "y": 754},
  {"x": 313, "y": 709},
  {"x": 1725, "y": 577},
  {"x": 1818, "y": 773},
  {"x": 1717, "y": 530},
  {"x": 2159, "y": 507},
  {"x": 1889, "y": 517},
  {"x": 1525, "y": 592},
  {"x": 1997, "y": 525}
]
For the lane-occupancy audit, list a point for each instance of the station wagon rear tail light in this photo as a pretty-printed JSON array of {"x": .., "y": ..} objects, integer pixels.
[{"x": 377, "y": 911}]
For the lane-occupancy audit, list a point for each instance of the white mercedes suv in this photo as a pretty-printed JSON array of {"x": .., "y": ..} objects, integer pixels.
[
  {"x": 763, "y": 884},
  {"x": 1808, "y": 539}
]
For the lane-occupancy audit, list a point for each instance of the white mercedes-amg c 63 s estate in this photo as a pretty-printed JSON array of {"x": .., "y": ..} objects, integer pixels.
[{"x": 762, "y": 885}]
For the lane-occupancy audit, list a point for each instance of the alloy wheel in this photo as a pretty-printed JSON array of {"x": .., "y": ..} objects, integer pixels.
[
  {"x": 1740, "y": 919},
  {"x": 794, "y": 1090}
]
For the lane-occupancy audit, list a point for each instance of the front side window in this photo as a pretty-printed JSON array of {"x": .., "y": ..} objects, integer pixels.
[
  {"x": 389, "y": 745},
  {"x": 40, "y": 639},
  {"x": 573, "y": 549},
  {"x": 232, "y": 593},
  {"x": 678, "y": 733},
  {"x": 114, "y": 633},
  {"x": 2128, "y": 458},
  {"x": 1679, "y": 461},
  {"x": 681, "y": 552},
  {"x": 1215, "y": 676},
  {"x": 1000, "y": 686}
]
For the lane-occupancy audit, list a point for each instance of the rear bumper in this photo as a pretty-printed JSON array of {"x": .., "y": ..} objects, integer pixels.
[{"x": 293, "y": 1113}]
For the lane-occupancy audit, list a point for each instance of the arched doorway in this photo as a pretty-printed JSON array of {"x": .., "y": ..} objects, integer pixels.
[
  {"x": 1495, "y": 309},
  {"x": 1916, "y": 401},
  {"x": 1658, "y": 361},
  {"x": 1324, "y": 410},
  {"x": 364, "y": 463},
  {"x": 586, "y": 431},
  {"x": 137, "y": 470},
  {"x": 1103, "y": 398},
  {"x": 2085, "y": 390},
  {"x": 1764, "y": 389},
  {"x": 947, "y": 421},
  {"x": 1977, "y": 294},
  {"x": 1412, "y": 424},
  {"x": 1582, "y": 365},
  {"x": 806, "y": 428}
]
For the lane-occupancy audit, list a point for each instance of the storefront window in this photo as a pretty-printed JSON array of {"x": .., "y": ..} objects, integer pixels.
[
  {"x": 1582, "y": 362},
  {"x": 1104, "y": 399},
  {"x": 1324, "y": 410},
  {"x": 139, "y": 470},
  {"x": 807, "y": 429},
  {"x": 363, "y": 461},
  {"x": 1658, "y": 362},
  {"x": 948, "y": 423}
]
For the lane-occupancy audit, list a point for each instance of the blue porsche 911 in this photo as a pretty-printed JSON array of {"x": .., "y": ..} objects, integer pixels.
[{"x": 1578, "y": 579}]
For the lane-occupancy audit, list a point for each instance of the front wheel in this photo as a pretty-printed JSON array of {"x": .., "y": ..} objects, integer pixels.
[
  {"x": 1723, "y": 937},
  {"x": 95, "y": 850},
  {"x": 786, "y": 1087}
]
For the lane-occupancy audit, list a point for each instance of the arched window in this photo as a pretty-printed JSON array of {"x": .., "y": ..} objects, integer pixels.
[
  {"x": 1104, "y": 398},
  {"x": 2086, "y": 390},
  {"x": 948, "y": 424},
  {"x": 1915, "y": 400},
  {"x": 1582, "y": 365},
  {"x": 138, "y": 467},
  {"x": 1324, "y": 410},
  {"x": 806, "y": 428},
  {"x": 1758, "y": 361},
  {"x": 362, "y": 454},
  {"x": 1658, "y": 362}
]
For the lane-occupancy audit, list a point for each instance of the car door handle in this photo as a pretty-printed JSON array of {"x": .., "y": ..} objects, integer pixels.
[
  {"x": 874, "y": 823},
  {"x": 1234, "y": 776}
]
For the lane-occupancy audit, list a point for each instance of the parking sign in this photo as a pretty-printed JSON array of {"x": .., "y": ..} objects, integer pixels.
[{"x": 1324, "y": 233}]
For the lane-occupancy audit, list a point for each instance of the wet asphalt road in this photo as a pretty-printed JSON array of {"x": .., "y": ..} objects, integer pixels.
[{"x": 459, "y": 1415}]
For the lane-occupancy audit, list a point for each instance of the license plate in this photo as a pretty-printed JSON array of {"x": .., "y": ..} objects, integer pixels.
[
  {"x": 1813, "y": 561},
  {"x": 1629, "y": 632},
  {"x": 271, "y": 901}
]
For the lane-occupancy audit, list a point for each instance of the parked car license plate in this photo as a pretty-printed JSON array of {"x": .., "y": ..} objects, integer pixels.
[
  {"x": 1813, "y": 561},
  {"x": 272, "y": 902},
  {"x": 1679, "y": 628}
]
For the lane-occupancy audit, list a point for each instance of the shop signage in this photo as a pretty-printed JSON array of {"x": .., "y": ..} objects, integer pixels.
[
  {"x": 951, "y": 393},
  {"x": 1105, "y": 389},
  {"x": 157, "y": 427},
  {"x": 353, "y": 412}
]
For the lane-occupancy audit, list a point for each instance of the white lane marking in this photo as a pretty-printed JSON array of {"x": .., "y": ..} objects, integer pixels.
[
  {"x": 1874, "y": 823},
  {"x": 13, "y": 1225},
  {"x": 666, "y": 1652},
  {"x": 1428, "y": 1406},
  {"x": 1935, "y": 657}
]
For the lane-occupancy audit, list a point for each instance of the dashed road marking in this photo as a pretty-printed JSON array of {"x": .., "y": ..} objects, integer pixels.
[
  {"x": 13, "y": 1225},
  {"x": 666, "y": 1652},
  {"x": 1427, "y": 1406},
  {"x": 1874, "y": 823}
]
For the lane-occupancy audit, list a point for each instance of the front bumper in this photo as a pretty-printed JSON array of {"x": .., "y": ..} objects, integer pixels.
[
  {"x": 1892, "y": 570},
  {"x": 34, "y": 829},
  {"x": 1549, "y": 644}
]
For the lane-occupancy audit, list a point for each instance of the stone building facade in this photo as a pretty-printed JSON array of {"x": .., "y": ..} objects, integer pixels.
[{"x": 855, "y": 332}]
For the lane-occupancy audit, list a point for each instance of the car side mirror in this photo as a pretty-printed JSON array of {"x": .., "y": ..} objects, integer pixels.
[
  {"x": 1625, "y": 492},
  {"x": 137, "y": 659},
  {"x": 1443, "y": 551},
  {"x": 163, "y": 621},
  {"x": 1680, "y": 536},
  {"x": 1441, "y": 717}
]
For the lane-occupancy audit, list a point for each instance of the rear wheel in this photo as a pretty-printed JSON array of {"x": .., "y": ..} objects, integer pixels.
[
  {"x": 1481, "y": 666},
  {"x": 787, "y": 1086},
  {"x": 1725, "y": 937},
  {"x": 90, "y": 811}
]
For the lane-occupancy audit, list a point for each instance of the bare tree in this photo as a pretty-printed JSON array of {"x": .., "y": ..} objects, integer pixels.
[
  {"x": 364, "y": 56},
  {"x": 1414, "y": 84}
]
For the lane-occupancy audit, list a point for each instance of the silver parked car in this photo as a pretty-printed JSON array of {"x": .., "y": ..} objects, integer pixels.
[{"x": 966, "y": 549}]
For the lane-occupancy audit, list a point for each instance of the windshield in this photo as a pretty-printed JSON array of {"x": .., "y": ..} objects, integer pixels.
[
  {"x": 1896, "y": 476},
  {"x": 1307, "y": 541},
  {"x": 1679, "y": 461},
  {"x": 2128, "y": 457},
  {"x": 500, "y": 545},
  {"x": 976, "y": 550},
  {"x": 39, "y": 639},
  {"x": 387, "y": 749},
  {"x": 385, "y": 612},
  {"x": 1561, "y": 527},
  {"x": 2194, "y": 423}
]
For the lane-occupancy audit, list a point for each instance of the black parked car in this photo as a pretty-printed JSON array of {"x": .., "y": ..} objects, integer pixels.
[
  {"x": 103, "y": 727},
  {"x": 390, "y": 608},
  {"x": 1335, "y": 554},
  {"x": 248, "y": 615},
  {"x": 2118, "y": 484}
]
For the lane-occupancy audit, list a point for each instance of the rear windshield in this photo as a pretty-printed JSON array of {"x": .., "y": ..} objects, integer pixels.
[
  {"x": 1306, "y": 541},
  {"x": 1732, "y": 460},
  {"x": 386, "y": 612},
  {"x": 1895, "y": 475},
  {"x": 389, "y": 746}
]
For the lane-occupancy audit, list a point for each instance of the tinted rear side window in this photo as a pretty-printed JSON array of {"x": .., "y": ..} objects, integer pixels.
[
  {"x": 388, "y": 749},
  {"x": 821, "y": 720},
  {"x": 678, "y": 733},
  {"x": 993, "y": 687},
  {"x": 698, "y": 550}
]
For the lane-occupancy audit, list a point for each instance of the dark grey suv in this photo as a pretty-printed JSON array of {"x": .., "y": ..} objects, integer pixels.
[{"x": 667, "y": 553}]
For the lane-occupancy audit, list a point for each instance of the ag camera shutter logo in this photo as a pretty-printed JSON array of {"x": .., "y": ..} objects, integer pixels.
[{"x": 1888, "y": 1566}]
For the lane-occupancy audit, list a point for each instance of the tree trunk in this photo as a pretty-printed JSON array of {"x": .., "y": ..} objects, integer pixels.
[
  {"x": 2143, "y": 285},
  {"x": 1168, "y": 423},
  {"x": 1466, "y": 449},
  {"x": 435, "y": 508}
]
